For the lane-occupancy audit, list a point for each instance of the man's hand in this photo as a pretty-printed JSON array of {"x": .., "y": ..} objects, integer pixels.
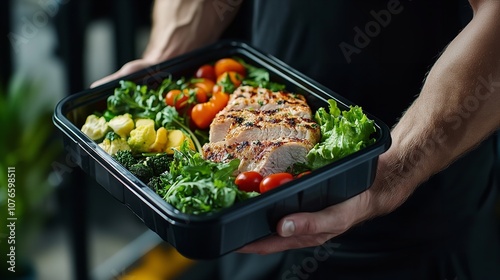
[
  {"x": 128, "y": 68},
  {"x": 302, "y": 230}
]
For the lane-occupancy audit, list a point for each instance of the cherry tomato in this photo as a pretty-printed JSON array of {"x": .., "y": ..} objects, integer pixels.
[
  {"x": 201, "y": 95},
  {"x": 207, "y": 72},
  {"x": 203, "y": 114},
  {"x": 235, "y": 78},
  {"x": 228, "y": 64},
  {"x": 205, "y": 84},
  {"x": 219, "y": 100},
  {"x": 274, "y": 180},
  {"x": 216, "y": 88},
  {"x": 248, "y": 181},
  {"x": 177, "y": 98}
]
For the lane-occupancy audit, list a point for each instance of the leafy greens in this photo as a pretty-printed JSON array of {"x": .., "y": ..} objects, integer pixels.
[
  {"x": 342, "y": 133},
  {"x": 259, "y": 77},
  {"x": 194, "y": 185}
]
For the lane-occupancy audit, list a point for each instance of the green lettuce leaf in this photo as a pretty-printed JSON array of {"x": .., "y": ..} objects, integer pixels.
[{"x": 342, "y": 133}]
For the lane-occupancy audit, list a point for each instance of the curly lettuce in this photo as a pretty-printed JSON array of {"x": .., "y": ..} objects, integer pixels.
[{"x": 342, "y": 133}]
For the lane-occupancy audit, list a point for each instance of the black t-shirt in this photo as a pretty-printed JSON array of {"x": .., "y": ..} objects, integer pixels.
[{"x": 377, "y": 54}]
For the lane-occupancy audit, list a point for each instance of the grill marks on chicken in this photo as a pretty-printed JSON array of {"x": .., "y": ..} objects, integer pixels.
[
  {"x": 242, "y": 125},
  {"x": 266, "y": 157},
  {"x": 268, "y": 131},
  {"x": 261, "y": 99}
]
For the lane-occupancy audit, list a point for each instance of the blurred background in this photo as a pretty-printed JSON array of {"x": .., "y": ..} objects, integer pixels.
[{"x": 69, "y": 227}]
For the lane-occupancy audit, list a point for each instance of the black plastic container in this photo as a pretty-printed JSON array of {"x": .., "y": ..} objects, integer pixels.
[{"x": 215, "y": 234}]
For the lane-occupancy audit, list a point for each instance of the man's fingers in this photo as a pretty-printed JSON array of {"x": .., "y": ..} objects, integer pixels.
[
  {"x": 333, "y": 220},
  {"x": 323, "y": 221},
  {"x": 128, "y": 68}
]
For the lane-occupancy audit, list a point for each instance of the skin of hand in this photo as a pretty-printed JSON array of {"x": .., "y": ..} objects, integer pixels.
[
  {"x": 432, "y": 133},
  {"x": 178, "y": 26}
]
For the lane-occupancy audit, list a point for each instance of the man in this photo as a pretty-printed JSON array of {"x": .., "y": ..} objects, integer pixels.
[{"x": 428, "y": 214}]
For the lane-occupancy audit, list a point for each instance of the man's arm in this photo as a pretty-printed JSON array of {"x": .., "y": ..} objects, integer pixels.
[
  {"x": 179, "y": 26},
  {"x": 456, "y": 109}
]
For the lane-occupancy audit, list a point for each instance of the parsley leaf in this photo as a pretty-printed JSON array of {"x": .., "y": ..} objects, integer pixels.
[{"x": 259, "y": 77}]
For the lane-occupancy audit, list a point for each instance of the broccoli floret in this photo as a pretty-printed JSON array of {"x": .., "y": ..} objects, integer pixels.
[
  {"x": 125, "y": 158},
  {"x": 159, "y": 163},
  {"x": 156, "y": 184},
  {"x": 141, "y": 171}
]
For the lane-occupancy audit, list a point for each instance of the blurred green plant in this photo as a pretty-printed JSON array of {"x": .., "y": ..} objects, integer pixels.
[{"x": 27, "y": 143}]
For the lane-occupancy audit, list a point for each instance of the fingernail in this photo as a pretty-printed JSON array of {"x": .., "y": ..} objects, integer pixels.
[{"x": 288, "y": 228}]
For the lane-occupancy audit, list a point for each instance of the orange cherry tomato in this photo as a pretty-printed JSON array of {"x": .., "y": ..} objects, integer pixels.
[
  {"x": 206, "y": 71},
  {"x": 177, "y": 98},
  {"x": 216, "y": 88},
  {"x": 274, "y": 180},
  {"x": 228, "y": 64},
  {"x": 219, "y": 100},
  {"x": 205, "y": 84},
  {"x": 202, "y": 114},
  {"x": 201, "y": 95},
  {"x": 234, "y": 77},
  {"x": 248, "y": 181}
]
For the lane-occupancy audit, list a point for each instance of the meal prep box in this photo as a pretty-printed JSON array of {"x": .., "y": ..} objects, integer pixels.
[{"x": 212, "y": 235}]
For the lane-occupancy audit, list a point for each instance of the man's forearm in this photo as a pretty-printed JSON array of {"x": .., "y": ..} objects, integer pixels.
[
  {"x": 457, "y": 108},
  {"x": 183, "y": 25}
]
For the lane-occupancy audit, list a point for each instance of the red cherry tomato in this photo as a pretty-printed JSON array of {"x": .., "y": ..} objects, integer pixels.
[
  {"x": 274, "y": 180},
  {"x": 228, "y": 64},
  {"x": 207, "y": 72},
  {"x": 249, "y": 181}
]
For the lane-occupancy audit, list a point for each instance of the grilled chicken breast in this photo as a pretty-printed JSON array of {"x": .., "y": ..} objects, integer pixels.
[
  {"x": 268, "y": 131},
  {"x": 266, "y": 157},
  {"x": 244, "y": 125},
  {"x": 261, "y": 99}
]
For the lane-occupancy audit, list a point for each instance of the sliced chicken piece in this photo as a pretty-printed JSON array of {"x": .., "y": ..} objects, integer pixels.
[
  {"x": 243, "y": 125},
  {"x": 266, "y": 157},
  {"x": 261, "y": 99}
]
